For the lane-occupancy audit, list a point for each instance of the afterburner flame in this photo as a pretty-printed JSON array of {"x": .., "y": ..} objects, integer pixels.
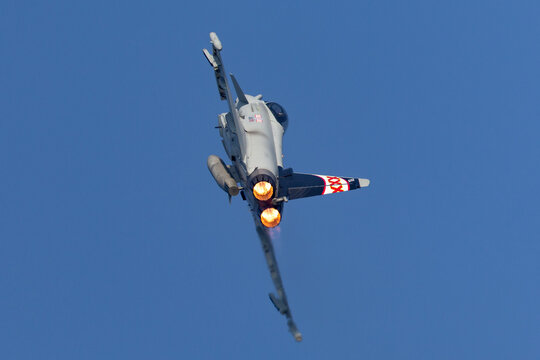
[
  {"x": 270, "y": 217},
  {"x": 263, "y": 190}
]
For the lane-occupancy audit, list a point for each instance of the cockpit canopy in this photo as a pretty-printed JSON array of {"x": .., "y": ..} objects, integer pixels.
[{"x": 279, "y": 113}]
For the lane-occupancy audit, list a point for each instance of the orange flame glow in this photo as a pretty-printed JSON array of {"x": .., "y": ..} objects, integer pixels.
[
  {"x": 270, "y": 217},
  {"x": 263, "y": 190}
]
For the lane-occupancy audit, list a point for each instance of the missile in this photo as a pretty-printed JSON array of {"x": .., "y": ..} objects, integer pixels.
[{"x": 222, "y": 175}]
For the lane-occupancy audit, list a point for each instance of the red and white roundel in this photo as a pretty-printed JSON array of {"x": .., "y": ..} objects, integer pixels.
[{"x": 334, "y": 184}]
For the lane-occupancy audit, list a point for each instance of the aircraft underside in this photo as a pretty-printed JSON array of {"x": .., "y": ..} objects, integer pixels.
[{"x": 252, "y": 133}]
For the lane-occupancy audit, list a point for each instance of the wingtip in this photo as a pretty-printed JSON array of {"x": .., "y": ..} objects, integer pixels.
[
  {"x": 294, "y": 330},
  {"x": 215, "y": 41},
  {"x": 364, "y": 182}
]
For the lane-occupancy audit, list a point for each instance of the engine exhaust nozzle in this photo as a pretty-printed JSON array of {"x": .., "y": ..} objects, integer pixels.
[
  {"x": 270, "y": 217},
  {"x": 263, "y": 184},
  {"x": 263, "y": 190}
]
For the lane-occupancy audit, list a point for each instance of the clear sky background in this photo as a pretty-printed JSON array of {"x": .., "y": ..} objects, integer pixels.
[{"x": 115, "y": 242}]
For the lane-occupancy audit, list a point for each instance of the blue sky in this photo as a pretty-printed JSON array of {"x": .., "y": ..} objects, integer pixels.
[{"x": 115, "y": 241}]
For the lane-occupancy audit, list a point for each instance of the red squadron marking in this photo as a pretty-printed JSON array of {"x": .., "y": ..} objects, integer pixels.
[{"x": 335, "y": 184}]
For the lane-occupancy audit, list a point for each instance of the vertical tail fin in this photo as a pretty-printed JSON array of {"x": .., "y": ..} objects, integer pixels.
[{"x": 239, "y": 92}]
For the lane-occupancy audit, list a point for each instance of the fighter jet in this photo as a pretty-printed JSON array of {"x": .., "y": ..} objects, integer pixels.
[{"x": 252, "y": 132}]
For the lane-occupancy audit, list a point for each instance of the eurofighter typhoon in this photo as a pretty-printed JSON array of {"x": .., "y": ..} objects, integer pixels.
[{"x": 252, "y": 132}]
